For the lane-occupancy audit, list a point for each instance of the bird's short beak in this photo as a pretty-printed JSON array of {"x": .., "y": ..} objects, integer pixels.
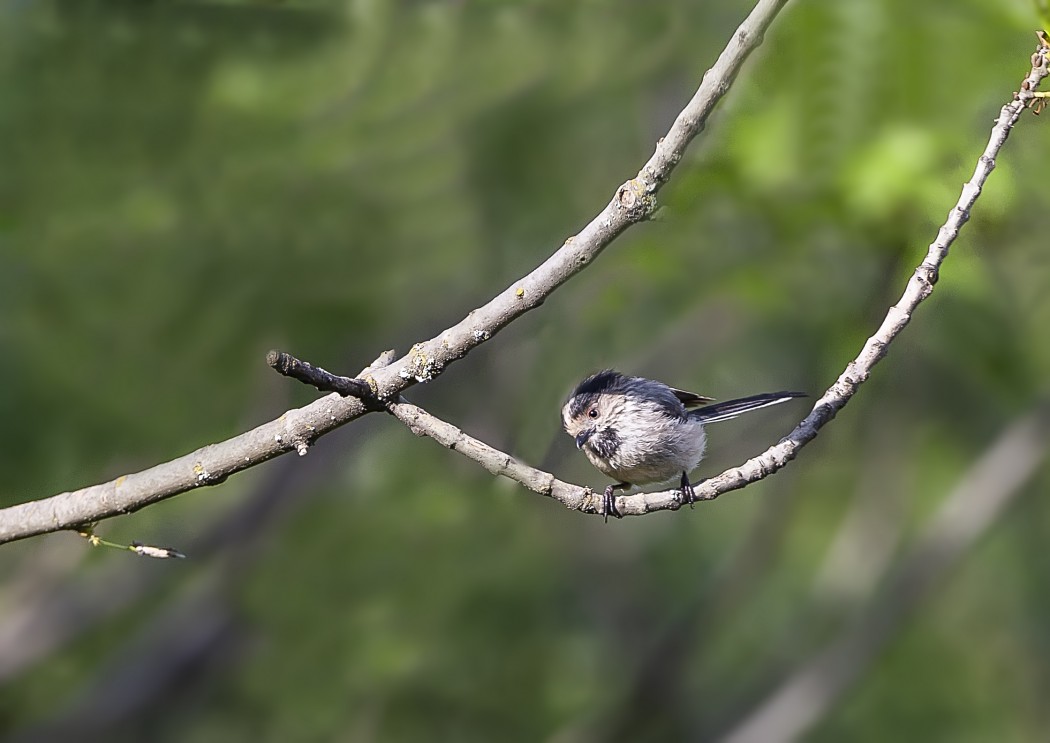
[{"x": 581, "y": 439}]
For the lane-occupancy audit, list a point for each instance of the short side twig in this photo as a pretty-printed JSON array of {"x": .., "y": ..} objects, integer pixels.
[{"x": 315, "y": 376}]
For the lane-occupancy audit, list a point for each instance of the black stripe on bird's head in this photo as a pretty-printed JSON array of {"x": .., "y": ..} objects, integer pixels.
[{"x": 587, "y": 392}]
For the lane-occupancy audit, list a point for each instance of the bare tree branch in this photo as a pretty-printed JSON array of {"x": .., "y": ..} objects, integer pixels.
[
  {"x": 973, "y": 506},
  {"x": 633, "y": 202},
  {"x": 919, "y": 287}
]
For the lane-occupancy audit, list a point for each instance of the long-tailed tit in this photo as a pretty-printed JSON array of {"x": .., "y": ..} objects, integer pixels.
[{"x": 639, "y": 431}]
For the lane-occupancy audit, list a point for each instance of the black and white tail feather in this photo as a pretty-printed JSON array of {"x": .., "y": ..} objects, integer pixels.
[{"x": 724, "y": 411}]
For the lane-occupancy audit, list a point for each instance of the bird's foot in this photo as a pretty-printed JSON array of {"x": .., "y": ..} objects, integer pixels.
[
  {"x": 609, "y": 503},
  {"x": 686, "y": 493}
]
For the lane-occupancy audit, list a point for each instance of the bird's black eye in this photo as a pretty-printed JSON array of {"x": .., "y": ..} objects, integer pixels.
[{"x": 593, "y": 412}]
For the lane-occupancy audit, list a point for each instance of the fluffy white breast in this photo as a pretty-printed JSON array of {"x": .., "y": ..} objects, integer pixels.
[{"x": 653, "y": 448}]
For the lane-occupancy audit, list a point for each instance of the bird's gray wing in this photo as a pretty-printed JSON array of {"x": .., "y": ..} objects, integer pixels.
[{"x": 691, "y": 399}]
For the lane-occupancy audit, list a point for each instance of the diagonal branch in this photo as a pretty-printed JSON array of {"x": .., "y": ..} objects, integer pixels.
[{"x": 633, "y": 202}]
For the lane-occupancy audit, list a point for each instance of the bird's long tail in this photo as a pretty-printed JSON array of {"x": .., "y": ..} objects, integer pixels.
[{"x": 723, "y": 411}]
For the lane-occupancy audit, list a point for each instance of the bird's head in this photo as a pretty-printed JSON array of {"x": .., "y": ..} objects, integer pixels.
[{"x": 590, "y": 412}]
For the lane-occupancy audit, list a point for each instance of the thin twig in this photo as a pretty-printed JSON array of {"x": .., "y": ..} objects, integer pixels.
[
  {"x": 422, "y": 423},
  {"x": 633, "y": 202},
  {"x": 315, "y": 376}
]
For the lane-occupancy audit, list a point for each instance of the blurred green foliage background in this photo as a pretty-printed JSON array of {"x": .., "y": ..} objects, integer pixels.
[{"x": 185, "y": 185}]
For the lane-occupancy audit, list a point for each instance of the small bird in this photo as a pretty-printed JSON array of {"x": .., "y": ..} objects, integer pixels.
[{"x": 639, "y": 431}]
